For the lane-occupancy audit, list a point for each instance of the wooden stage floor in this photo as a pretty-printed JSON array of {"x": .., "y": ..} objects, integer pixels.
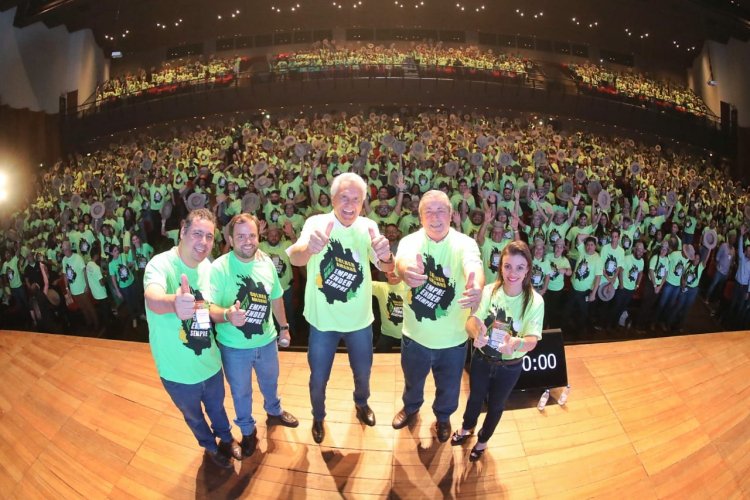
[{"x": 655, "y": 418}]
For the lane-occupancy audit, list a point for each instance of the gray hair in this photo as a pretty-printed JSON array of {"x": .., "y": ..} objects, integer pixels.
[
  {"x": 435, "y": 195},
  {"x": 348, "y": 178}
]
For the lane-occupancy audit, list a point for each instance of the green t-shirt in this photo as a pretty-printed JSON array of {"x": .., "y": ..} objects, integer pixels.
[
  {"x": 338, "y": 293},
  {"x": 11, "y": 271},
  {"x": 255, "y": 284},
  {"x": 613, "y": 259},
  {"x": 693, "y": 274},
  {"x": 280, "y": 260},
  {"x": 652, "y": 224},
  {"x": 119, "y": 269},
  {"x": 140, "y": 256},
  {"x": 631, "y": 268},
  {"x": 184, "y": 351},
  {"x": 628, "y": 237},
  {"x": 587, "y": 268},
  {"x": 391, "y": 306},
  {"x": 507, "y": 310},
  {"x": 556, "y": 277},
  {"x": 408, "y": 224},
  {"x": 677, "y": 264},
  {"x": 272, "y": 212},
  {"x": 490, "y": 252},
  {"x": 556, "y": 231},
  {"x": 540, "y": 269},
  {"x": 659, "y": 265},
  {"x": 432, "y": 314},
  {"x": 94, "y": 276},
  {"x": 74, "y": 269}
]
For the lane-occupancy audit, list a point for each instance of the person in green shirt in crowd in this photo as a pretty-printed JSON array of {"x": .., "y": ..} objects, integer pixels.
[
  {"x": 587, "y": 274},
  {"x": 390, "y": 296},
  {"x": 553, "y": 299},
  {"x": 74, "y": 278},
  {"x": 335, "y": 248},
  {"x": 95, "y": 280},
  {"x": 690, "y": 279},
  {"x": 123, "y": 283},
  {"x": 678, "y": 260},
  {"x": 275, "y": 247},
  {"x": 12, "y": 273},
  {"x": 245, "y": 289},
  {"x": 177, "y": 293},
  {"x": 628, "y": 283},
  {"x": 540, "y": 269},
  {"x": 443, "y": 269},
  {"x": 506, "y": 325}
]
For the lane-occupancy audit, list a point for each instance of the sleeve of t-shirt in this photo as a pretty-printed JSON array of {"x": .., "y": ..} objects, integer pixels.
[
  {"x": 307, "y": 230},
  {"x": 534, "y": 318},
  {"x": 276, "y": 290},
  {"x": 154, "y": 275},
  {"x": 484, "y": 304},
  {"x": 471, "y": 253},
  {"x": 217, "y": 283}
]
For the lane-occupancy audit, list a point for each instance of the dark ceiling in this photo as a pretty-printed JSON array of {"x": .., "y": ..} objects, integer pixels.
[{"x": 657, "y": 30}]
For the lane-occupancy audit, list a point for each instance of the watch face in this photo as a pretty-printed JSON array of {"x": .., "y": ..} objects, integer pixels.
[{"x": 545, "y": 366}]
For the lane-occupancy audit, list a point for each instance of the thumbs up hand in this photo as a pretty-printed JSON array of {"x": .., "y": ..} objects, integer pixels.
[
  {"x": 319, "y": 239},
  {"x": 414, "y": 275},
  {"x": 184, "y": 301},
  {"x": 380, "y": 245},
  {"x": 236, "y": 315},
  {"x": 472, "y": 293}
]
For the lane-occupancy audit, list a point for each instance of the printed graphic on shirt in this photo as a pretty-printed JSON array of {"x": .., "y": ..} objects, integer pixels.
[
  {"x": 690, "y": 275},
  {"x": 196, "y": 331},
  {"x": 142, "y": 261},
  {"x": 157, "y": 196},
  {"x": 678, "y": 269},
  {"x": 537, "y": 276},
  {"x": 11, "y": 274},
  {"x": 495, "y": 259},
  {"x": 610, "y": 265},
  {"x": 70, "y": 273},
  {"x": 625, "y": 242},
  {"x": 661, "y": 271},
  {"x": 123, "y": 273},
  {"x": 432, "y": 299},
  {"x": 555, "y": 272},
  {"x": 633, "y": 273},
  {"x": 582, "y": 271},
  {"x": 340, "y": 273},
  {"x": 554, "y": 235},
  {"x": 279, "y": 264},
  {"x": 506, "y": 324},
  {"x": 256, "y": 303},
  {"x": 395, "y": 308},
  {"x": 85, "y": 246}
]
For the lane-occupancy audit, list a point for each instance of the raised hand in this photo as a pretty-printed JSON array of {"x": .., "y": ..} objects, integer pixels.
[
  {"x": 236, "y": 315},
  {"x": 472, "y": 293},
  {"x": 380, "y": 245},
  {"x": 414, "y": 275},
  {"x": 319, "y": 239},
  {"x": 184, "y": 301}
]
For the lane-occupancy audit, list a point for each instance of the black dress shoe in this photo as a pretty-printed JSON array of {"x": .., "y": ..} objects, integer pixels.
[
  {"x": 476, "y": 454},
  {"x": 443, "y": 431},
  {"x": 230, "y": 449},
  {"x": 249, "y": 443},
  {"x": 286, "y": 419},
  {"x": 365, "y": 415},
  {"x": 457, "y": 438},
  {"x": 318, "y": 431},
  {"x": 402, "y": 419},
  {"x": 219, "y": 459}
]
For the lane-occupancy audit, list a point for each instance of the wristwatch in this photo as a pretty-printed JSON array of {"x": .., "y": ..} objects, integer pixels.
[{"x": 283, "y": 328}]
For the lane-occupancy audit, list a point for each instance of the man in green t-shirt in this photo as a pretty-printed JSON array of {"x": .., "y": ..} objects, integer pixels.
[
  {"x": 390, "y": 296},
  {"x": 245, "y": 289},
  {"x": 123, "y": 283},
  {"x": 12, "y": 272},
  {"x": 336, "y": 248},
  {"x": 177, "y": 291},
  {"x": 587, "y": 274},
  {"x": 74, "y": 277},
  {"x": 443, "y": 270}
]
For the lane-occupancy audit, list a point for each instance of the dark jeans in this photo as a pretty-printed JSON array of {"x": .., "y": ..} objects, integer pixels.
[
  {"x": 620, "y": 303},
  {"x": 386, "y": 343},
  {"x": 446, "y": 365},
  {"x": 188, "y": 399},
  {"x": 554, "y": 305},
  {"x": 578, "y": 311},
  {"x": 494, "y": 384}
]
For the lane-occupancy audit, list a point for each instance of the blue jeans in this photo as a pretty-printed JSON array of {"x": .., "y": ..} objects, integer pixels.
[
  {"x": 669, "y": 295},
  {"x": 717, "y": 282},
  {"x": 320, "y": 356},
  {"x": 188, "y": 399},
  {"x": 446, "y": 365},
  {"x": 238, "y": 366},
  {"x": 493, "y": 383},
  {"x": 684, "y": 302}
]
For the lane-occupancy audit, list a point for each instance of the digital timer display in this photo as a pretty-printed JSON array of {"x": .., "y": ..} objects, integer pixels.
[{"x": 545, "y": 366}]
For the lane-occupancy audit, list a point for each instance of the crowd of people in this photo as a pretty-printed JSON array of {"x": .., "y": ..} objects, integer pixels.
[
  {"x": 169, "y": 78},
  {"x": 462, "y": 226},
  {"x": 639, "y": 88},
  {"x": 429, "y": 56}
]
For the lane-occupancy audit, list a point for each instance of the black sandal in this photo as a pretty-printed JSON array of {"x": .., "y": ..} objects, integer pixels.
[
  {"x": 476, "y": 454},
  {"x": 457, "y": 438}
]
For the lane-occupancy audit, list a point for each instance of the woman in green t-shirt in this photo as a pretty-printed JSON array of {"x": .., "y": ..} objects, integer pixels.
[{"x": 513, "y": 312}]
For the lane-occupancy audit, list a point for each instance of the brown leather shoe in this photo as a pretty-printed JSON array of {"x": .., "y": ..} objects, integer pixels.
[
  {"x": 402, "y": 419},
  {"x": 318, "y": 431}
]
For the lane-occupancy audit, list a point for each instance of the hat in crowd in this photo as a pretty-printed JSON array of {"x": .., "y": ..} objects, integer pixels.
[
  {"x": 263, "y": 183},
  {"x": 580, "y": 175},
  {"x": 635, "y": 168},
  {"x": 564, "y": 191},
  {"x": 689, "y": 251},
  {"x": 196, "y": 201},
  {"x": 451, "y": 168},
  {"x": 53, "y": 297},
  {"x": 97, "y": 210},
  {"x": 250, "y": 203},
  {"x": 166, "y": 210},
  {"x": 604, "y": 199},
  {"x": 606, "y": 292},
  {"x": 299, "y": 199},
  {"x": 594, "y": 188},
  {"x": 671, "y": 199},
  {"x": 260, "y": 168},
  {"x": 710, "y": 239},
  {"x": 75, "y": 201}
]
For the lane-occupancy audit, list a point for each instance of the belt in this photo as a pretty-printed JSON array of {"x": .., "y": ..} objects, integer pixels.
[{"x": 499, "y": 361}]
